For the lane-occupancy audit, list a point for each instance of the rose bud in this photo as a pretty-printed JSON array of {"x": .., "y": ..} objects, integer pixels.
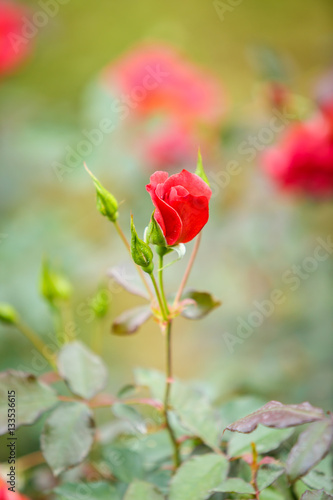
[
  {"x": 107, "y": 204},
  {"x": 8, "y": 315},
  {"x": 53, "y": 285},
  {"x": 141, "y": 252},
  {"x": 182, "y": 204}
]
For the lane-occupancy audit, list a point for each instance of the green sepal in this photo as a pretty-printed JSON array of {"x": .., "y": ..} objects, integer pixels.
[
  {"x": 8, "y": 314},
  {"x": 142, "y": 254},
  {"x": 200, "y": 169},
  {"x": 154, "y": 233},
  {"x": 106, "y": 203}
]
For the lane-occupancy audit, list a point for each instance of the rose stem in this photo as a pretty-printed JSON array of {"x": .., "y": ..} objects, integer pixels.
[
  {"x": 169, "y": 381},
  {"x": 160, "y": 278},
  {"x": 36, "y": 341},
  {"x": 175, "y": 444},
  {"x": 127, "y": 245},
  {"x": 188, "y": 270},
  {"x": 159, "y": 298}
]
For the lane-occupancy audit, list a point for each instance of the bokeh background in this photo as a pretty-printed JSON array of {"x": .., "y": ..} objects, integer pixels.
[{"x": 256, "y": 231}]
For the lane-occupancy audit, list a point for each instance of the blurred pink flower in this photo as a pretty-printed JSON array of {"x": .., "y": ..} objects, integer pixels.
[
  {"x": 303, "y": 161},
  {"x": 176, "y": 86},
  {"x": 155, "y": 81},
  {"x": 14, "y": 48}
]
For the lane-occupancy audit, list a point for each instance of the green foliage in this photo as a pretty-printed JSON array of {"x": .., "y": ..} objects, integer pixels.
[
  {"x": 197, "y": 477},
  {"x": 140, "y": 490},
  {"x": 235, "y": 485},
  {"x": 312, "y": 445},
  {"x": 130, "y": 321},
  {"x": 84, "y": 372},
  {"x": 89, "y": 491},
  {"x": 32, "y": 398},
  {"x": 67, "y": 436},
  {"x": 202, "y": 303}
]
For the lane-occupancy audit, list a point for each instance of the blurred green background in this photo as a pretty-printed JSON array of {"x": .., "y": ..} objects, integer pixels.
[{"x": 254, "y": 235}]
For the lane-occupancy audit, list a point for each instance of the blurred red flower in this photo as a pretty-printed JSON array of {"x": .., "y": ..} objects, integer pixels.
[
  {"x": 154, "y": 81},
  {"x": 14, "y": 48},
  {"x": 9, "y": 495},
  {"x": 303, "y": 161},
  {"x": 182, "y": 204}
]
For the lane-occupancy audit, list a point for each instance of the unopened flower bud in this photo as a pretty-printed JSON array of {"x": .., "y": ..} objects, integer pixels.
[
  {"x": 100, "y": 303},
  {"x": 141, "y": 252},
  {"x": 107, "y": 204},
  {"x": 53, "y": 285},
  {"x": 8, "y": 314}
]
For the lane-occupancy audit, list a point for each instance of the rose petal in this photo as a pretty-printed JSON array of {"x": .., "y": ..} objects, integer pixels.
[
  {"x": 166, "y": 217},
  {"x": 192, "y": 182}
]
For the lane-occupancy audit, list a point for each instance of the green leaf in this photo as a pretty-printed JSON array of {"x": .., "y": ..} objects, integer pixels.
[
  {"x": 316, "y": 495},
  {"x": 268, "y": 474},
  {"x": 265, "y": 439},
  {"x": 32, "y": 398},
  {"x": 126, "y": 390},
  {"x": 271, "y": 494},
  {"x": 278, "y": 416},
  {"x": 200, "y": 169},
  {"x": 318, "y": 478},
  {"x": 140, "y": 490},
  {"x": 131, "y": 415},
  {"x": 197, "y": 477},
  {"x": 125, "y": 464},
  {"x": 203, "y": 304},
  {"x": 87, "y": 491},
  {"x": 130, "y": 321},
  {"x": 204, "y": 422},
  {"x": 67, "y": 436},
  {"x": 107, "y": 204},
  {"x": 235, "y": 485},
  {"x": 84, "y": 372},
  {"x": 8, "y": 314},
  {"x": 312, "y": 445},
  {"x": 126, "y": 277}
]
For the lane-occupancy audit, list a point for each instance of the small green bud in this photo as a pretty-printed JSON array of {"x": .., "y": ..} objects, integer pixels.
[
  {"x": 141, "y": 252},
  {"x": 100, "y": 303},
  {"x": 154, "y": 233},
  {"x": 8, "y": 314},
  {"x": 200, "y": 169},
  {"x": 53, "y": 285},
  {"x": 107, "y": 204}
]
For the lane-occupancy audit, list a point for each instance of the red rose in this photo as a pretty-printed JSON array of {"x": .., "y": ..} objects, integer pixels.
[
  {"x": 303, "y": 161},
  {"x": 182, "y": 204}
]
